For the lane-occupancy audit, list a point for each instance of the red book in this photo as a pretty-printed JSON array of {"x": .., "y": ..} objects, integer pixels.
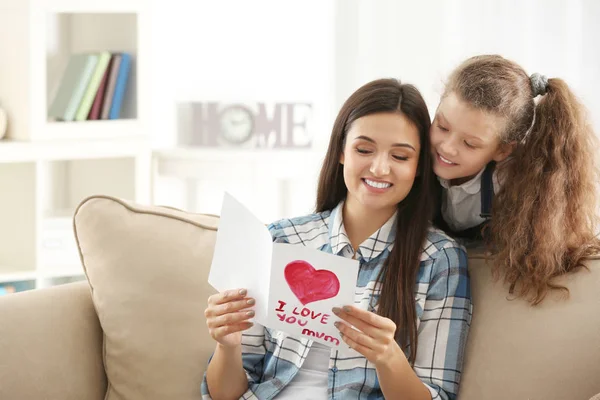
[{"x": 99, "y": 99}]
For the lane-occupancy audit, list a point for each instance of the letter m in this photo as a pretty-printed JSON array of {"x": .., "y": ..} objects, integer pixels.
[
  {"x": 309, "y": 332},
  {"x": 332, "y": 340}
]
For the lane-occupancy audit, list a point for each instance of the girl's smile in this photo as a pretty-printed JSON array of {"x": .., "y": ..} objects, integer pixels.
[{"x": 443, "y": 161}]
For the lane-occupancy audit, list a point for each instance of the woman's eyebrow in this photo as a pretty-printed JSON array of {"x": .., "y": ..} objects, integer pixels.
[{"x": 368, "y": 139}]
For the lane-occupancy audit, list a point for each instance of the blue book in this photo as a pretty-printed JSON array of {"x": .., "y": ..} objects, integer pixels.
[
  {"x": 120, "y": 86},
  {"x": 6, "y": 289}
]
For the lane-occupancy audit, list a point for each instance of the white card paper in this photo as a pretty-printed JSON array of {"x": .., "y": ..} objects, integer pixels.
[
  {"x": 242, "y": 257},
  {"x": 295, "y": 287}
]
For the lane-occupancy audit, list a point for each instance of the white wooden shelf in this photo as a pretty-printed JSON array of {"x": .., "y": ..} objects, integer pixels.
[
  {"x": 51, "y": 31},
  {"x": 51, "y": 179},
  {"x": 69, "y": 271},
  {"x": 58, "y": 214},
  {"x": 20, "y": 151},
  {"x": 6, "y": 277},
  {"x": 62, "y": 272},
  {"x": 48, "y": 167},
  {"x": 105, "y": 6},
  {"x": 101, "y": 129}
]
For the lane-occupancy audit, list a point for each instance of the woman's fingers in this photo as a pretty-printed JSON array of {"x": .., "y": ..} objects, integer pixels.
[
  {"x": 370, "y": 318},
  {"x": 230, "y": 307},
  {"x": 230, "y": 319},
  {"x": 227, "y": 315},
  {"x": 356, "y": 346},
  {"x": 222, "y": 331},
  {"x": 358, "y": 323},
  {"x": 227, "y": 296},
  {"x": 226, "y": 308},
  {"x": 356, "y": 336}
]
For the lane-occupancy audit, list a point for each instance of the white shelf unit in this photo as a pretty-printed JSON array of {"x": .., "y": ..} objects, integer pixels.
[
  {"x": 46, "y": 182},
  {"x": 48, "y": 167},
  {"x": 37, "y": 38}
]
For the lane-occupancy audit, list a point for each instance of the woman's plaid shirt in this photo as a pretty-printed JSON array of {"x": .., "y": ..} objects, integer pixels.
[{"x": 443, "y": 301}]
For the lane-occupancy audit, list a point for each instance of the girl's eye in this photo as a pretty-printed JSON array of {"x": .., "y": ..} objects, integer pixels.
[
  {"x": 363, "y": 151},
  {"x": 400, "y": 158},
  {"x": 469, "y": 145},
  {"x": 443, "y": 129}
]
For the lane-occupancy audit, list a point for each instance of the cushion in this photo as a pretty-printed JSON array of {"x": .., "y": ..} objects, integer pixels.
[
  {"x": 546, "y": 352},
  {"x": 148, "y": 269}
]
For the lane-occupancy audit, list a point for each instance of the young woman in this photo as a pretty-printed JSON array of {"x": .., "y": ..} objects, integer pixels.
[
  {"x": 530, "y": 167},
  {"x": 412, "y": 303}
]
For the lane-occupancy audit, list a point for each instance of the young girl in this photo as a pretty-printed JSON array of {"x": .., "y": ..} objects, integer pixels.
[
  {"x": 530, "y": 167},
  {"x": 412, "y": 303}
]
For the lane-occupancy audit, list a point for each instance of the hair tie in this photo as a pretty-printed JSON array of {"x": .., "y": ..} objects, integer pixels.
[{"x": 539, "y": 84}]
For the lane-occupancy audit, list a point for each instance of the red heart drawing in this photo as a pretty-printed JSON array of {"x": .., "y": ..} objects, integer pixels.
[{"x": 310, "y": 285}]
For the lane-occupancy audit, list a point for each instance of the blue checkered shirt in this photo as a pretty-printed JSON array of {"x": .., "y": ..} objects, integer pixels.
[{"x": 443, "y": 301}]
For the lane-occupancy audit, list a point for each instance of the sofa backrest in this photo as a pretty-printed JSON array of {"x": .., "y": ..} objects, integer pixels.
[
  {"x": 148, "y": 269},
  {"x": 546, "y": 352}
]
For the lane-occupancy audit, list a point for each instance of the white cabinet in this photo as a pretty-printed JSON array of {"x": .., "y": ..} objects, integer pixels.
[
  {"x": 48, "y": 167},
  {"x": 42, "y": 184},
  {"x": 36, "y": 39}
]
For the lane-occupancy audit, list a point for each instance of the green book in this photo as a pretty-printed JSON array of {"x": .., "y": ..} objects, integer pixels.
[
  {"x": 72, "y": 87},
  {"x": 90, "y": 93}
]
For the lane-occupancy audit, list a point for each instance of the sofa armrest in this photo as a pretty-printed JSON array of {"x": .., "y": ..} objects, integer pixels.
[{"x": 51, "y": 345}]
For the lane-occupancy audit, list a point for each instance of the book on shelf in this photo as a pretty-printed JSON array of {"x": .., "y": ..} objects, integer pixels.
[
  {"x": 92, "y": 87},
  {"x": 122, "y": 78},
  {"x": 17, "y": 286},
  {"x": 72, "y": 87},
  {"x": 110, "y": 86},
  {"x": 6, "y": 289},
  {"x": 99, "y": 99}
]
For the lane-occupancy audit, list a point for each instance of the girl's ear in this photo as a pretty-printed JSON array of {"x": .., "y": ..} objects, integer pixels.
[
  {"x": 342, "y": 158},
  {"x": 504, "y": 150}
]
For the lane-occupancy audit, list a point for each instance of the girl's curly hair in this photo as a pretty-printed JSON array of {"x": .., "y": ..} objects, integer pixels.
[{"x": 545, "y": 215}]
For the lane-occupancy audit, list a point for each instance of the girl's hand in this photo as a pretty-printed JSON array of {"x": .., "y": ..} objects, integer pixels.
[
  {"x": 226, "y": 316},
  {"x": 375, "y": 340}
]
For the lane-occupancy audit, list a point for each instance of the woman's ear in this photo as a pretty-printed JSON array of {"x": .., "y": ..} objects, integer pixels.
[
  {"x": 342, "y": 158},
  {"x": 504, "y": 150}
]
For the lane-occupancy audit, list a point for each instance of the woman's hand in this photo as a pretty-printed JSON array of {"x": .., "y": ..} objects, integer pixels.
[
  {"x": 375, "y": 340},
  {"x": 227, "y": 316}
]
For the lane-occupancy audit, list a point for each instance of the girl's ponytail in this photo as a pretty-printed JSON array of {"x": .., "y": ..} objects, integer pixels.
[{"x": 545, "y": 217}]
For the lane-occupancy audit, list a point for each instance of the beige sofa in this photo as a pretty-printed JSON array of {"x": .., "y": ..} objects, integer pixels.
[{"x": 135, "y": 329}]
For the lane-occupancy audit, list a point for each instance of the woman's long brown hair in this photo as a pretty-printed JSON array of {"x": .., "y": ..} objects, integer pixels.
[
  {"x": 399, "y": 273},
  {"x": 545, "y": 216}
]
